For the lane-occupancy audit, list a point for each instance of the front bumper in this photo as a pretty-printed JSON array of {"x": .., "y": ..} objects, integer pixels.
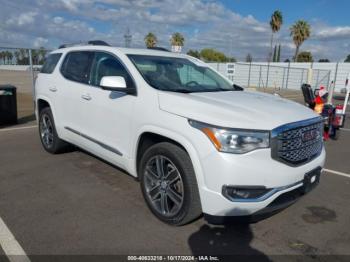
[
  {"x": 253, "y": 169},
  {"x": 278, "y": 204}
]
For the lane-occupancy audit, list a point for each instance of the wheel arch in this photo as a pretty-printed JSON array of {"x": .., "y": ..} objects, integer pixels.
[
  {"x": 158, "y": 134},
  {"x": 40, "y": 103}
]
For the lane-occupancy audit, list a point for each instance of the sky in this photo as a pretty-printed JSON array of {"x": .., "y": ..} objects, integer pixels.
[{"x": 235, "y": 27}]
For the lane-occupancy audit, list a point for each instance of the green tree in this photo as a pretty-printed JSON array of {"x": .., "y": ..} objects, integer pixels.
[
  {"x": 212, "y": 55},
  {"x": 300, "y": 31},
  {"x": 279, "y": 54},
  {"x": 7, "y": 57},
  {"x": 35, "y": 57},
  {"x": 275, "y": 24},
  {"x": 21, "y": 56},
  {"x": 194, "y": 53},
  {"x": 249, "y": 58},
  {"x": 10, "y": 57},
  {"x": 150, "y": 40},
  {"x": 232, "y": 59},
  {"x": 274, "y": 54},
  {"x": 3, "y": 57},
  {"x": 177, "y": 39},
  {"x": 305, "y": 57},
  {"x": 323, "y": 60},
  {"x": 17, "y": 57},
  {"x": 42, "y": 54},
  {"x": 347, "y": 59}
]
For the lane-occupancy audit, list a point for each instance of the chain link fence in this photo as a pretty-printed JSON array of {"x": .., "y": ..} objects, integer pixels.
[{"x": 19, "y": 66}]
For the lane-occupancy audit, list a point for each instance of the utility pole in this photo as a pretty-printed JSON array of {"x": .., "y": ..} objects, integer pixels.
[{"x": 127, "y": 38}]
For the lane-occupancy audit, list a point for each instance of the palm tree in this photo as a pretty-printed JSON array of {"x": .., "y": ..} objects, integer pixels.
[
  {"x": 10, "y": 57},
  {"x": 300, "y": 31},
  {"x": 275, "y": 24},
  {"x": 177, "y": 42},
  {"x": 42, "y": 54},
  {"x": 24, "y": 59},
  {"x": 35, "y": 57},
  {"x": 6, "y": 57},
  {"x": 17, "y": 57},
  {"x": 150, "y": 40}
]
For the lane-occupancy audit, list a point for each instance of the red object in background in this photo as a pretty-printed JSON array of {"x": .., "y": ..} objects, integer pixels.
[
  {"x": 319, "y": 103},
  {"x": 318, "y": 100},
  {"x": 339, "y": 117},
  {"x": 325, "y": 135}
]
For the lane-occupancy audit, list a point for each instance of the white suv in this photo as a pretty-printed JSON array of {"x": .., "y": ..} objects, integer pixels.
[{"x": 198, "y": 143}]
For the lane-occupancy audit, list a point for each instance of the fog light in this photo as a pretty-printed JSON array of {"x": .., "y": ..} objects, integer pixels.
[{"x": 244, "y": 193}]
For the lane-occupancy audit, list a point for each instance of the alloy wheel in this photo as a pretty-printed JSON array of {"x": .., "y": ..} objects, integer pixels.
[
  {"x": 46, "y": 131},
  {"x": 164, "y": 186}
]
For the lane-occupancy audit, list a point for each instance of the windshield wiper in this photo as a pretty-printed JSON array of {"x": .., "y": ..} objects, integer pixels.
[
  {"x": 181, "y": 90},
  {"x": 237, "y": 88}
]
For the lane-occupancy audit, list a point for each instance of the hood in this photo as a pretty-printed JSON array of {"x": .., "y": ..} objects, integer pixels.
[{"x": 236, "y": 109}]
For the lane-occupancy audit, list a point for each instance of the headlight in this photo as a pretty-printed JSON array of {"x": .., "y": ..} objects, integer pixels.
[{"x": 234, "y": 141}]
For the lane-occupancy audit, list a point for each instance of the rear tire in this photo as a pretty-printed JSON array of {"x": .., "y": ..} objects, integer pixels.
[
  {"x": 169, "y": 184},
  {"x": 48, "y": 134}
]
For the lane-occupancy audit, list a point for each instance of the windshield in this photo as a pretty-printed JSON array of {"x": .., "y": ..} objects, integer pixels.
[{"x": 179, "y": 74}]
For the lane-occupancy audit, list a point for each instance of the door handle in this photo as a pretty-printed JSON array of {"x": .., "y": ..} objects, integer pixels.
[
  {"x": 53, "y": 89},
  {"x": 86, "y": 97}
]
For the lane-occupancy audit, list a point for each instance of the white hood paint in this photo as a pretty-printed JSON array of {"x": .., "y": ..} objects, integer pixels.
[{"x": 236, "y": 109}]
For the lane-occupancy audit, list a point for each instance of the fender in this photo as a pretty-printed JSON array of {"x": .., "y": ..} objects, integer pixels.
[
  {"x": 45, "y": 98},
  {"x": 179, "y": 139}
]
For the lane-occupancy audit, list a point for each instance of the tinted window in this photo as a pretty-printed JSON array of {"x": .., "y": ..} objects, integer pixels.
[
  {"x": 179, "y": 74},
  {"x": 76, "y": 66},
  {"x": 107, "y": 65},
  {"x": 50, "y": 63}
]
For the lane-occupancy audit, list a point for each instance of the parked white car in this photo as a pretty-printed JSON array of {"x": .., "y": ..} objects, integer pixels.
[{"x": 198, "y": 143}]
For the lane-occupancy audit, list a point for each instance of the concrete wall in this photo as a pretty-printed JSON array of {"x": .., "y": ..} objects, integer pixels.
[
  {"x": 323, "y": 74},
  {"x": 18, "y": 67}
]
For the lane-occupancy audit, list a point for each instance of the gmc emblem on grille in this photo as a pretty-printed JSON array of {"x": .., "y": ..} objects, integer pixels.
[{"x": 310, "y": 135}]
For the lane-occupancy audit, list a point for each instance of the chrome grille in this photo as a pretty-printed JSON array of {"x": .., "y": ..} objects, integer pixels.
[{"x": 299, "y": 142}]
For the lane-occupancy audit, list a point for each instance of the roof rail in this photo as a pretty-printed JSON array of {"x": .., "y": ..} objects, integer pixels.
[
  {"x": 98, "y": 42},
  {"x": 158, "y": 48},
  {"x": 91, "y": 42}
]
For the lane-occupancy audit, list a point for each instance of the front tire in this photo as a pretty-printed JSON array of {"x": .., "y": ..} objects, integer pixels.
[
  {"x": 169, "y": 185},
  {"x": 48, "y": 134}
]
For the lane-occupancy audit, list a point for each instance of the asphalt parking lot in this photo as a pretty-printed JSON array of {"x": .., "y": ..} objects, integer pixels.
[{"x": 76, "y": 204}]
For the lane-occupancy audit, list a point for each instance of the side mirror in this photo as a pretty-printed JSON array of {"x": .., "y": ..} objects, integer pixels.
[{"x": 116, "y": 83}]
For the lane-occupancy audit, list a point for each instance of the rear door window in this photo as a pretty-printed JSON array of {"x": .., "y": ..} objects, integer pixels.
[
  {"x": 50, "y": 63},
  {"x": 76, "y": 66}
]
